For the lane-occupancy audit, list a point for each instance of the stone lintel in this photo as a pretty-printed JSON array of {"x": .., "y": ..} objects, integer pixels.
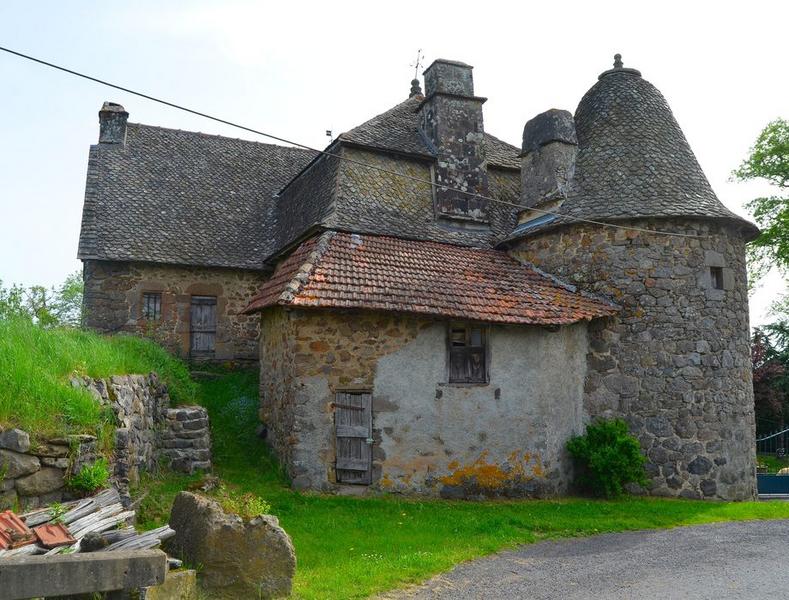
[{"x": 63, "y": 575}]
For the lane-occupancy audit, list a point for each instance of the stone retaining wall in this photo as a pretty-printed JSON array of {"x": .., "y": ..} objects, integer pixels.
[
  {"x": 149, "y": 432},
  {"x": 185, "y": 443},
  {"x": 32, "y": 475}
]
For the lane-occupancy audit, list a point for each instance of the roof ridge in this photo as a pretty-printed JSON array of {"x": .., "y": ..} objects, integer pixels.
[
  {"x": 302, "y": 275},
  {"x": 223, "y": 137}
]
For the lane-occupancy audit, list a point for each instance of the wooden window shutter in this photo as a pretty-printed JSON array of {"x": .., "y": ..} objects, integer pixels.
[{"x": 467, "y": 354}]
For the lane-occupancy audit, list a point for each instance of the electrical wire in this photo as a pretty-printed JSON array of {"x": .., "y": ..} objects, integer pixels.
[{"x": 345, "y": 158}]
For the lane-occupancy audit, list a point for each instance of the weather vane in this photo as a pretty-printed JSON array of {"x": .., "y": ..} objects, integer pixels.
[{"x": 418, "y": 63}]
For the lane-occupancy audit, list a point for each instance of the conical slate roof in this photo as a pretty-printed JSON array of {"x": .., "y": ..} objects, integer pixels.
[{"x": 633, "y": 159}]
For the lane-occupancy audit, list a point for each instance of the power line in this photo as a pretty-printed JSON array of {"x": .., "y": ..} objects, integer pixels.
[{"x": 340, "y": 157}]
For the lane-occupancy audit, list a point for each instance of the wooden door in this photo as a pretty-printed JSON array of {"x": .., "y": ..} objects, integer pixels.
[
  {"x": 353, "y": 424},
  {"x": 203, "y": 326}
]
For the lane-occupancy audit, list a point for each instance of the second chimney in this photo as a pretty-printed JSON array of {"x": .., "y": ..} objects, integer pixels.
[
  {"x": 547, "y": 157},
  {"x": 112, "y": 124}
]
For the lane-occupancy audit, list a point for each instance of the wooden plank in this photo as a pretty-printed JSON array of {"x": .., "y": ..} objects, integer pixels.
[{"x": 359, "y": 431}]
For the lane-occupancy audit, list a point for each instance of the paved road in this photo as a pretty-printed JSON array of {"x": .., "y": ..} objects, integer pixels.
[{"x": 721, "y": 561}]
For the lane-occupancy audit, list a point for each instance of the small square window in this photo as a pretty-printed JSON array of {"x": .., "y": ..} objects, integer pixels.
[
  {"x": 467, "y": 354},
  {"x": 152, "y": 306},
  {"x": 716, "y": 277}
]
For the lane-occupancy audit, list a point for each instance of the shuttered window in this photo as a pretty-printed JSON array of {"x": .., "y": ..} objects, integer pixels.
[
  {"x": 467, "y": 348},
  {"x": 152, "y": 306}
]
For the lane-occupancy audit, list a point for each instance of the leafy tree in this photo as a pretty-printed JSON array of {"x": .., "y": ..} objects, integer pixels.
[
  {"x": 12, "y": 302},
  {"x": 68, "y": 301},
  {"x": 769, "y": 160},
  {"x": 770, "y": 379},
  {"x": 47, "y": 307}
]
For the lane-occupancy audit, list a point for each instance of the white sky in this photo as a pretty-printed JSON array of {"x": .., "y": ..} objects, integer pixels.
[{"x": 298, "y": 68}]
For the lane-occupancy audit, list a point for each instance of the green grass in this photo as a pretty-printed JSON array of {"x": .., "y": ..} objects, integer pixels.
[
  {"x": 351, "y": 547},
  {"x": 36, "y": 365},
  {"x": 773, "y": 463}
]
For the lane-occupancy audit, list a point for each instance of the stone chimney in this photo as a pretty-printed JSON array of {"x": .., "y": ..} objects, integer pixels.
[
  {"x": 451, "y": 120},
  {"x": 547, "y": 157},
  {"x": 112, "y": 124}
]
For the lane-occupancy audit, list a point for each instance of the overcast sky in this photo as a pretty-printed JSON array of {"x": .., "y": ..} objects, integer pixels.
[{"x": 297, "y": 69}]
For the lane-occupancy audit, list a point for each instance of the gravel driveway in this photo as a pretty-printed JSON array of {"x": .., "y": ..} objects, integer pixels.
[{"x": 725, "y": 560}]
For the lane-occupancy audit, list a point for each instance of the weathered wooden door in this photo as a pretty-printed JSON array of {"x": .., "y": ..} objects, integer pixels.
[
  {"x": 353, "y": 424},
  {"x": 203, "y": 325}
]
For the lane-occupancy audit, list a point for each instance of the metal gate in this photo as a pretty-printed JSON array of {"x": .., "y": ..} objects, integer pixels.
[{"x": 774, "y": 443}]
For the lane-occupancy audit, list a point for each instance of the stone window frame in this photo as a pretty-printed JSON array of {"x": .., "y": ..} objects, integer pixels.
[
  {"x": 485, "y": 331},
  {"x": 716, "y": 278},
  {"x": 151, "y": 299}
]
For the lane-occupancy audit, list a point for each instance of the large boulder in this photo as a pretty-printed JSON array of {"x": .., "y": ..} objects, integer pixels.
[{"x": 238, "y": 559}]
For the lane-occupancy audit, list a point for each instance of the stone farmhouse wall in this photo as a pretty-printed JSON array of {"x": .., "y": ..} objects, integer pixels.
[
  {"x": 113, "y": 302},
  {"x": 676, "y": 363},
  {"x": 503, "y": 438},
  {"x": 149, "y": 433}
]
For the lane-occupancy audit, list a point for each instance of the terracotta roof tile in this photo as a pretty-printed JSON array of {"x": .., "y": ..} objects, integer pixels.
[{"x": 343, "y": 270}]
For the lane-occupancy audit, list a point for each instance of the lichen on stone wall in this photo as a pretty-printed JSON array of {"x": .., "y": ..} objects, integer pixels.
[{"x": 518, "y": 475}]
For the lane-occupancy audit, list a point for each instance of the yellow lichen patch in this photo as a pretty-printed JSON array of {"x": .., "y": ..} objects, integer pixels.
[{"x": 492, "y": 476}]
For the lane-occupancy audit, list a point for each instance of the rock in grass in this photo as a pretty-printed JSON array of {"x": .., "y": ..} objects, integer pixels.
[{"x": 238, "y": 559}]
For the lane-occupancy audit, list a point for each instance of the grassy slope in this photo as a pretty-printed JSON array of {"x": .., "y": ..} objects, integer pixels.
[
  {"x": 353, "y": 547},
  {"x": 36, "y": 365}
]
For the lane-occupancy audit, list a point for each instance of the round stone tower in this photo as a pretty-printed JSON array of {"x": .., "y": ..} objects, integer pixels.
[{"x": 675, "y": 363}]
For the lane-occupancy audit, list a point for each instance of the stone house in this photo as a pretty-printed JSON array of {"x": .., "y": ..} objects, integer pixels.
[{"x": 439, "y": 311}]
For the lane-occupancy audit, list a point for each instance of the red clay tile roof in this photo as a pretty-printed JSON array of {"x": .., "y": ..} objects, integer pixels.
[{"x": 343, "y": 270}]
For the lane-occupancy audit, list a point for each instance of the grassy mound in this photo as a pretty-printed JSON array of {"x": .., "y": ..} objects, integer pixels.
[{"x": 36, "y": 365}]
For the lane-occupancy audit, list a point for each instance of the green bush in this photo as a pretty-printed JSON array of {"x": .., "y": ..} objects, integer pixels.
[
  {"x": 91, "y": 477},
  {"x": 608, "y": 457}
]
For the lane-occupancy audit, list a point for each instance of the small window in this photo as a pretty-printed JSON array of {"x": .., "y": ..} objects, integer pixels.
[
  {"x": 716, "y": 276},
  {"x": 152, "y": 306},
  {"x": 467, "y": 354}
]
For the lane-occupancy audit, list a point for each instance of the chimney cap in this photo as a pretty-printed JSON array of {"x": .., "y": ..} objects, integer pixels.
[
  {"x": 553, "y": 125},
  {"x": 446, "y": 61},
  {"x": 113, "y": 107}
]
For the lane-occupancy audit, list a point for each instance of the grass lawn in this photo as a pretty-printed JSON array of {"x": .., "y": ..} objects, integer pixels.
[
  {"x": 36, "y": 364},
  {"x": 773, "y": 463},
  {"x": 351, "y": 547}
]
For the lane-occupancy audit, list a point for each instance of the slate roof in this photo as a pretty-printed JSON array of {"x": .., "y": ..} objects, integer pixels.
[
  {"x": 180, "y": 197},
  {"x": 397, "y": 130},
  {"x": 344, "y": 270},
  {"x": 633, "y": 159}
]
